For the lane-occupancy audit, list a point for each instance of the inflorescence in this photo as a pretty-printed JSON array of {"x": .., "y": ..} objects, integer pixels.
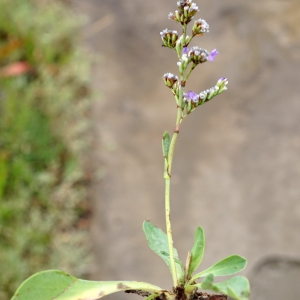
[{"x": 189, "y": 58}]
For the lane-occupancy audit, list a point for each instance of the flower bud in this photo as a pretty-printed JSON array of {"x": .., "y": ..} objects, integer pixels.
[
  {"x": 187, "y": 39},
  {"x": 186, "y": 12},
  {"x": 222, "y": 82},
  {"x": 193, "y": 10},
  {"x": 178, "y": 45},
  {"x": 188, "y": 107},
  {"x": 169, "y": 38},
  {"x": 202, "y": 97},
  {"x": 183, "y": 3},
  {"x": 212, "y": 92},
  {"x": 185, "y": 61},
  {"x": 222, "y": 90},
  {"x": 171, "y": 16},
  {"x": 175, "y": 89},
  {"x": 179, "y": 64},
  {"x": 178, "y": 15},
  {"x": 170, "y": 79},
  {"x": 222, "y": 85},
  {"x": 200, "y": 27}
]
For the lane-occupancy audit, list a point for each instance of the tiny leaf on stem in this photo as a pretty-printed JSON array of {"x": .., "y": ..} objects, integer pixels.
[
  {"x": 227, "y": 266},
  {"x": 166, "y": 141},
  {"x": 166, "y": 144},
  {"x": 53, "y": 284},
  {"x": 197, "y": 251},
  {"x": 158, "y": 243}
]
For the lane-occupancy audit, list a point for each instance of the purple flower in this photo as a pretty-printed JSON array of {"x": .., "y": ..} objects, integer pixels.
[
  {"x": 212, "y": 55},
  {"x": 185, "y": 50},
  {"x": 191, "y": 96}
]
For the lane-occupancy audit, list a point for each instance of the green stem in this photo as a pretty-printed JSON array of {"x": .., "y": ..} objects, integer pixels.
[
  {"x": 167, "y": 198},
  {"x": 168, "y": 177},
  {"x": 184, "y": 31},
  {"x": 169, "y": 230},
  {"x": 189, "y": 73}
]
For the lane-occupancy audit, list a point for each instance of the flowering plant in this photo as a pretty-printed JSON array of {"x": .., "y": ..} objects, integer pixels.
[{"x": 58, "y": 285}]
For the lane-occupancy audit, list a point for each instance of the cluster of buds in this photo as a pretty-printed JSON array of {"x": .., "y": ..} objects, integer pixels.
[
  {"x": 208, "y": 94},
  {"x": 169, "y": 38},
  {"x": 198, "y": 55},
  {"x": 187, "y": 10},
  {"x": 200, "y": 27},
  {"x": 192, "y": 99}
]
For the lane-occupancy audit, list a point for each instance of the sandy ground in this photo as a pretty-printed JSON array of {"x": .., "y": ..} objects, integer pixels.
[{"x": 237, "y": 165}]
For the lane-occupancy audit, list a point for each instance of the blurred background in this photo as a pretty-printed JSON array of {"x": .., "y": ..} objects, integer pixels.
[
  {"x": 237, "y": 165},
  {"x": 45, "y": 103}
]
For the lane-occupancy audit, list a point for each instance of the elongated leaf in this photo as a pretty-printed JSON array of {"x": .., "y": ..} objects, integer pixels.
[
  {"x": 57, "y": 285},
  {"x": 166, "y": 144},
  {"x": 237, "y": 287},
  {"x": 227, "y": 266},
  {"x": 197, "y": 251},
  {"x": 158, "y": 243}
]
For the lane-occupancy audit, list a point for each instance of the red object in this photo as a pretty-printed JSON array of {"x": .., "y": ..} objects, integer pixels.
[{"x": 15, "y": 69}]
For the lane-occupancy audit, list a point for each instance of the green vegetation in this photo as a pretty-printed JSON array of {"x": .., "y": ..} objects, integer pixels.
[{"x": 44, "y": 104}]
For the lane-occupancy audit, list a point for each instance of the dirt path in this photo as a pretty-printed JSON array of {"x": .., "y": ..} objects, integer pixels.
[{"x": 237, "y": 165}]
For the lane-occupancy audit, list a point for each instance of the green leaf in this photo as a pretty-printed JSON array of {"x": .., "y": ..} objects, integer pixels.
[
  {"x": 166, "y": 141},
  {"x": 151, "y": 297},
  {"x": 176, "y": 260},
  {"x": 158, "y": 243},
  {"x": 197, "y": 251},
  {"x": 207, "y": 283},
  {"x": 166, "y": 144},
  {"x": 237, "y": 287},
  {"x": 57, "y": 285},
  {"x": 227, "y": 266}
]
